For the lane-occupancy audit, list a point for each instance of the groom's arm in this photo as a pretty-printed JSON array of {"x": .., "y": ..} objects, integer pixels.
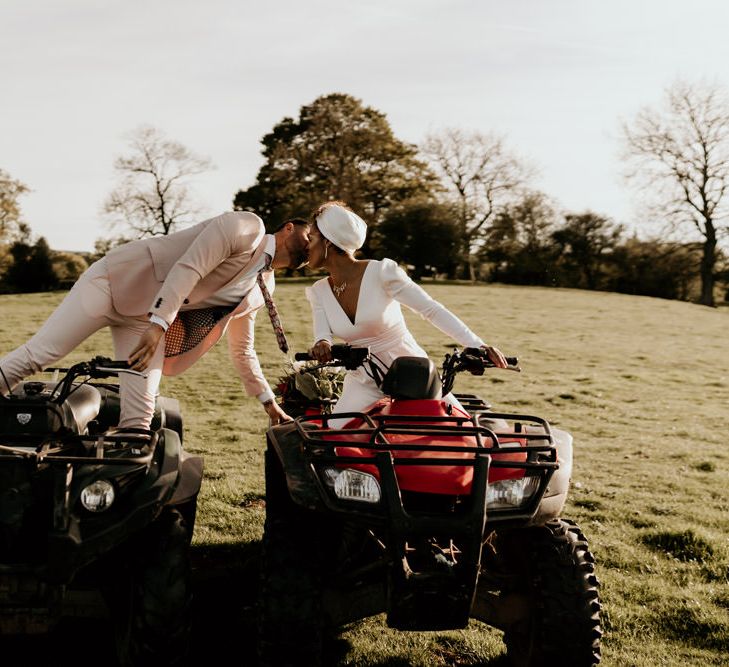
[
  {"x": 244, "y": 357},
  {"x": 245, "y": 360}
]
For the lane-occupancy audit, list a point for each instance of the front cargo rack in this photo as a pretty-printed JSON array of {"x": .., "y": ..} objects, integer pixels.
[
  {"x": 120, "y": 448},
  {"x": 320, "y": 444}
]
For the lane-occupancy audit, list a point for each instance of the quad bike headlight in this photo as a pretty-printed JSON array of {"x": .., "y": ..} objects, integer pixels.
[
  {"x": 353, "y": 485},
  {"x": 509, "y": 493},
  {"x": 98, "y": 496}
]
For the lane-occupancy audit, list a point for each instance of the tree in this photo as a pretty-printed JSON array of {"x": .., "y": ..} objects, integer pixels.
[
  {"x": 480, "y": 176},
  {"x": 655, "y": 268},
  {"x": 585, "y": 242},
  {"x": 32, "y": 266},
  {"x": 422, "y": 234},
  {"x": 680, "y": 158},
  {"x": 10, "y": 215},
  {"x": 153, "y": 198},
  {"x": 336, "y": 149},
  {"x": 519, "y": 241},
  {"x": 68, "y": 266}
]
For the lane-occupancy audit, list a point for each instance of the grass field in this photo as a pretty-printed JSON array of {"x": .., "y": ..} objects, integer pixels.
[{"x": 643, "y": 385}]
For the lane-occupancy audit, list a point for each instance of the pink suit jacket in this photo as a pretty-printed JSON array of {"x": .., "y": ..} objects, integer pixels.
[{"x": 160, "y": 274}]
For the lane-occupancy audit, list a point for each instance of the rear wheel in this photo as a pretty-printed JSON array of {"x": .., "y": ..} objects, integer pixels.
[
  {"x": 563, "y": 623},
  {"x": 152, "y": 604},
  {"x": 290, "y": 610}
]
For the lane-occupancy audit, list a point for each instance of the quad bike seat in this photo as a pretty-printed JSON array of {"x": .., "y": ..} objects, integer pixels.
[
  {"x": 412, "y": 378},
  {"x": 83, "y": 404}
]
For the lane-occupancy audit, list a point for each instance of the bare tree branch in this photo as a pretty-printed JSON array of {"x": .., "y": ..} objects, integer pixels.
[
  {"x": 478, "y": 173},
  {"x": 152, "y": 198},
  {"x": 678, "y": 156},
  {"x": 10, "y": 215}
]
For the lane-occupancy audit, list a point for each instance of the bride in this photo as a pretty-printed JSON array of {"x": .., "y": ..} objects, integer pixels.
[{"x": 359, "y": 302}]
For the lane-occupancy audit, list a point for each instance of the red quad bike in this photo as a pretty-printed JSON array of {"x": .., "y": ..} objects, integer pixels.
[{"x": 431, "y": 514}]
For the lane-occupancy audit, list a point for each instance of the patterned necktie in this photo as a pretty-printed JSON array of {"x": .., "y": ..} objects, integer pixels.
[{"x": 271, "y": 306}]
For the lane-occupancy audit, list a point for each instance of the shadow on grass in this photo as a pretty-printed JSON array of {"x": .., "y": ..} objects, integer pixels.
[{"x": 225, "y": 588}]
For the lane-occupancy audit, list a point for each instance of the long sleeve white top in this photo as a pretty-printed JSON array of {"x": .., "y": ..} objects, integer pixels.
[{"x": 379, "y": 322}]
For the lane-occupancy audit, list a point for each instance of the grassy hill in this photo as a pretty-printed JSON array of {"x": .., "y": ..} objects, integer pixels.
[{"x": 643, "y": 385}]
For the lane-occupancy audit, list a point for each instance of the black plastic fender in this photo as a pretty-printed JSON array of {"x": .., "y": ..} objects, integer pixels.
[
  {"x": 179, "y": 469},
  {"x": 302, "y": 484}
]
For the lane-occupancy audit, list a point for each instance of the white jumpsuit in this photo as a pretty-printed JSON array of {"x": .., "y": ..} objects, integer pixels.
[{"x": 379, "y": 325}]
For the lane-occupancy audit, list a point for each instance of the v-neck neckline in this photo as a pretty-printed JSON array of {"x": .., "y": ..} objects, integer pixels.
[{"x": 352, "y": 322}]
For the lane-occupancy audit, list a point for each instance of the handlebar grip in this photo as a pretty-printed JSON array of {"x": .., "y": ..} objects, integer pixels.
[
  {"x": 121, "y": 364},
  {"x": 512, "y": 361},
  {"x": 302, "y": 356}
]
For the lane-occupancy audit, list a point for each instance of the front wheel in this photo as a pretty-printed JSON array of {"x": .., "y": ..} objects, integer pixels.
[
  {"x": 290, "y": 609},
  {"x": 562, "y": 626},
  {"x": 151, "y": 606}
]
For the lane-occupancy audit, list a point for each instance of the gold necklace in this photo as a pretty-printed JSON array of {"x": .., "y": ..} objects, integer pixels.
[{"x": 338, "y": 289}]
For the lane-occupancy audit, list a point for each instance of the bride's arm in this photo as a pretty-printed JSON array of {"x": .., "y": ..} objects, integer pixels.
[
  {"x": 322, "y": 331},
  {"x": 401, "y": 288}
]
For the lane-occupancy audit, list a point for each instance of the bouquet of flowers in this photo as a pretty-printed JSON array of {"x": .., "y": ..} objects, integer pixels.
[{"x": 304, "y": 385}]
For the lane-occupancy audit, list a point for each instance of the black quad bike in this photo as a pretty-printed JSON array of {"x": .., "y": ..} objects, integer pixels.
[
  {"x": 429, "y": 513},
  {"x": 95, "y": 517}
]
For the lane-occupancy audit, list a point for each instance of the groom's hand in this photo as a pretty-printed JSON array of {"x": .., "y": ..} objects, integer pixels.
[
  {"x": 275, "y": 413},
  {"x": 322, "y": 351},
  {"x": 142, "y": 354}
]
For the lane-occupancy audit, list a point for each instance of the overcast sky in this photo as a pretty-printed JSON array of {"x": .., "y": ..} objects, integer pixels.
[{"x": 554, "y": 76}]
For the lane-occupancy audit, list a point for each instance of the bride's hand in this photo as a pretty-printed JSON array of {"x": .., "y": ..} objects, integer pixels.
[
  {"x": 495, "y": 355},
  {"x": 322, "y": 351}
]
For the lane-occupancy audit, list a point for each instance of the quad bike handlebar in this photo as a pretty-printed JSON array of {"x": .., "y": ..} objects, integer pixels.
[
  {"x": 100, "y": 366},
  {"x": 97, "y": 368},
  {"x": 473, "y": 360},
  {"x": 342, "y": 355}
]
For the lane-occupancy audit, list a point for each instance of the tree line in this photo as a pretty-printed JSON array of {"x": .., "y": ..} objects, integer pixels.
[{"x": 461, "y": 205}]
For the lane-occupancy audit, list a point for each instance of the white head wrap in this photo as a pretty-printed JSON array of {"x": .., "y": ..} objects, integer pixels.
[{"x": 343, "y": 228}]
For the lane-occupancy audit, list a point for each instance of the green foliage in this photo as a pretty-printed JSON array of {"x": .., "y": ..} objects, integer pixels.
[
  {"x": 684, "y": 545},
  {"x": 32, "y": 267},
  {"x": 519, "y": 243},
  {"x": 336, "y": 149},
  {"x": 583, "y": 243},
  {"x": 654, "y": 268},
  {"x": 68, "y": 266},
  {"x": 303, "y": 383},
  {"x": 423, "y": 234}
]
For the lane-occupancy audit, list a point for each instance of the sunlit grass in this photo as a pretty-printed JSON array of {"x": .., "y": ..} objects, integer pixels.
[{"x": 642, "y": 384}]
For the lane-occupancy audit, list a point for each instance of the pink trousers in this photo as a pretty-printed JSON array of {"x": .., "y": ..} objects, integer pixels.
[{"x": 86, "y": 309}]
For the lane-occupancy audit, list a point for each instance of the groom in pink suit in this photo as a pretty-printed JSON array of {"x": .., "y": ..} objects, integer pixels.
[{"x": 167, "y": 300}]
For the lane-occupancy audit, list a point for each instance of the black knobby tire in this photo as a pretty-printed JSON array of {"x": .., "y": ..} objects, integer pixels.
[
  {"x": 563, "y": 627},
  {"x": 290, "y": 612},
  {"x": 152, "y": 608}
]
